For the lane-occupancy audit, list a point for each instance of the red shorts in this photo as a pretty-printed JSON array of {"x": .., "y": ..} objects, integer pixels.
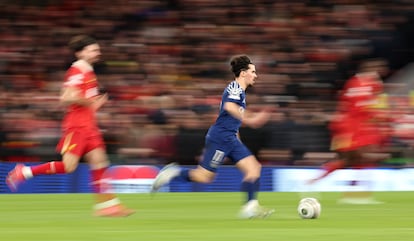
[
  {"x": 80, "y": 141},
  {"x": 347, "y": 140}
]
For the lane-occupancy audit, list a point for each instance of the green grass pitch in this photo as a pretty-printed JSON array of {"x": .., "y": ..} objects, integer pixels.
[{"x": 203, "y": 216}]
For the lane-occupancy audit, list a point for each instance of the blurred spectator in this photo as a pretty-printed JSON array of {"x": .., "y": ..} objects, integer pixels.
[{"x": 304, "y": 50}]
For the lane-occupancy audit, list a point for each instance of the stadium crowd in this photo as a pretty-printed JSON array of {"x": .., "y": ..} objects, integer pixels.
[{"x": 164, "y": 67}]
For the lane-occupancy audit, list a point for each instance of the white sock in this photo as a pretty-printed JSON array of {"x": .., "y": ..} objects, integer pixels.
[
  {"x": 27, "y": 172},
  {"x": 107, "y": 204},
  {"x": 252, "y": 203}
]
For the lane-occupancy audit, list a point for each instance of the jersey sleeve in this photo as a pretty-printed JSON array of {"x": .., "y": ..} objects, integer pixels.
[
  {"x": 360, "y": 95},
  {"x": 233, "y": 93},
  {"x": 74, "y": 78}
]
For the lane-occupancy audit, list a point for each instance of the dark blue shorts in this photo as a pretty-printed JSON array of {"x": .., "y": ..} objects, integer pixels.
[{"x": 214, "y": 153}]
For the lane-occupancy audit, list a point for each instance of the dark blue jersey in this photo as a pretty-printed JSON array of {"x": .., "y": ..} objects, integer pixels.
[{"x": 226, "y": 126}]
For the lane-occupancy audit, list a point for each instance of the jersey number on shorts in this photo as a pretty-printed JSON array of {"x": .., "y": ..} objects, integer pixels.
[{"x": 217, "y": 158}]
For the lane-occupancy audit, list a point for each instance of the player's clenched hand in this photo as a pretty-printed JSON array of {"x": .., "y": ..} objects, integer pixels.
[{"x": 99, "y": 101}]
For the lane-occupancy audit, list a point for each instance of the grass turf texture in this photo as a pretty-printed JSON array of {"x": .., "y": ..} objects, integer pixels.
[{"x": 203, "y": 216}]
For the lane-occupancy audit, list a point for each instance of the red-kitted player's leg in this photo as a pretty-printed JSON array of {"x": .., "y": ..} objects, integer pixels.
[{"x": 328, "y": 168}]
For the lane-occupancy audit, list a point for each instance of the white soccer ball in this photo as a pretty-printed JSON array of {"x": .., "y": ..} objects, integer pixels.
[{"x": 309, "y": 208}]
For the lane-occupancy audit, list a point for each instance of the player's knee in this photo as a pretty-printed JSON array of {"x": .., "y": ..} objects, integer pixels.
[
  {"x": 202, "y": 176},
  {"x": 70, "y": 162},
  {"x": 254, "y": 173},
  {"x": 251, "y": 177},
  {"x": 206, "y": 179},
  {"x": 259, "y": 167},
  {"x": 70, "y": 167},
  {"x": 99, "y": 164}
]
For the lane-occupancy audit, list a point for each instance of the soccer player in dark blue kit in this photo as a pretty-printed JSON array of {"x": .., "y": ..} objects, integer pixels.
[{"x": 222, "y": 140}]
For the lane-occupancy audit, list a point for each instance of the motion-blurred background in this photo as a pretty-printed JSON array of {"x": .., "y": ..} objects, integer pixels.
[{"x": 165, "y": 64}]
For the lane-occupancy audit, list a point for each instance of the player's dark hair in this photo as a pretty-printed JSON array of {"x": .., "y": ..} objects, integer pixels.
[
  {"x": 239, "y": 63},
  {"x": 373, "y": 64},
  {"x": 78, "y": 42}
]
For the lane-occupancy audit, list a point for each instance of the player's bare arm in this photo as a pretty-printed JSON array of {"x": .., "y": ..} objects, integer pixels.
[
  {"x": 253, "y": 120},
  {"x": 99, "y": 101},
  {"x": 72, "y": 95}
]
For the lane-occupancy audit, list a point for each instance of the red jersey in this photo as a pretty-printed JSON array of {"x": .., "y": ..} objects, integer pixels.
[
  {"x": 81, "y": 76},
  {"x": 354, "y": 123},
  {"x": 358, "y": 97}
]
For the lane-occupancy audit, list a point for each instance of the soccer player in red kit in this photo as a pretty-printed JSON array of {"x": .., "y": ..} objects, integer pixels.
[
  {"x": 356, "y": 130},
  {"x": 81, "y": 135}
]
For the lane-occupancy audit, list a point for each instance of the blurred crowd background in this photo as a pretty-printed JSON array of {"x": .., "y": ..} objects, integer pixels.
[{"x": 165, "y": 64}]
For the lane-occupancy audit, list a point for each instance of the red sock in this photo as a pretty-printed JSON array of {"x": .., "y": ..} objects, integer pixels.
[
  {"x": 96, "y": 176},
  {"x": 55, "y": 167},
  {"x": 334, "y": 165}
]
